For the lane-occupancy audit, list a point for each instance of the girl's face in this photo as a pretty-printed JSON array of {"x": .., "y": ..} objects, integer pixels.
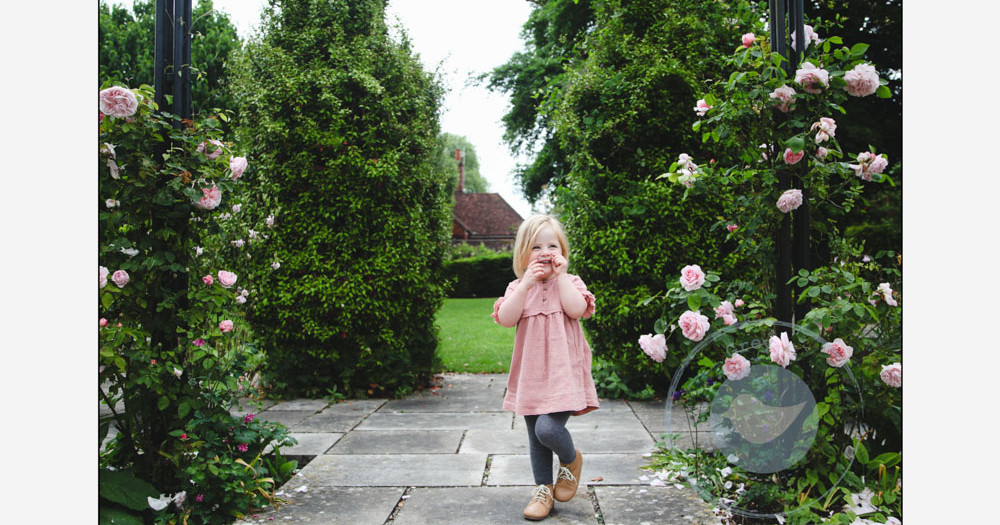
[{"x": 545, "y": 248}]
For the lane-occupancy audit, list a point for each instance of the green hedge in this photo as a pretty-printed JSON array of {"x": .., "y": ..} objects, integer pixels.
[
  {"x": 483, "y": 276},
  {"x": 344, "y": 122}
]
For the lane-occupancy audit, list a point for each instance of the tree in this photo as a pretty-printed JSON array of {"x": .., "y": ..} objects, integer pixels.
[
  {"x": 344, "y": 122},
  {"x": 125, "y": 47},
  {"x": 446, "y": 163}
]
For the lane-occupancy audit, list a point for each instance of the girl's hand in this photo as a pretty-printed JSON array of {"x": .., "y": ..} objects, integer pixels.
[
  {"x": 533, "y": 273},
  {"x": 559, "y": 264}
]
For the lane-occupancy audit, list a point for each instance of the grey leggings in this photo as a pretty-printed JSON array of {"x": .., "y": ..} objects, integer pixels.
[{"x": 547, "y": 434}]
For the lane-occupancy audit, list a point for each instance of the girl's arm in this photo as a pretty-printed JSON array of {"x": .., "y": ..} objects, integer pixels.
[
  {"x": 573, "y": 303},
  {"x": 510, "y": 311}
]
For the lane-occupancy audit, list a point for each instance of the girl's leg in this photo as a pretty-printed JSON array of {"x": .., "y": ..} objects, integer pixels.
[
  {"x": 550, "y": 431},
  {"x": 541, "y": 456}
]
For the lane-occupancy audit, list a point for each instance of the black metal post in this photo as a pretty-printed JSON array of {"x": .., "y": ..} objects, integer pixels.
[
  {"x": 163, "y": 45},
  {"x": 182, "y": 58}
]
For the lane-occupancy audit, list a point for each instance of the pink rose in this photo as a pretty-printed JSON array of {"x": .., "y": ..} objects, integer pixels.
[
  {"x": 120, "y": 278},
  {"x": 782, "y": 351},
  {"x": 821, "y": 152},
  {"x": 208, "y": 279},
  {"x": 275, "y": 265},
  {"x": 784, "y": 97},
  {"x": 211, "y": 199},
  {"x": 811, "y": 78},
  {"x": 725, "y": 311},
  {"x": 226, "y": 326},
  {"x": 692, "y": 277},
  {"x": 102, "y": 322},
  {"x": 811, "y": 36},
  {"x": 790, "y": 200},
  {"x": 791, "y": 157},
  {"x": 226, "y": 279},
  {"x": 118, "y": 102},
  {"x": 102, "y": 274},
  {"x": 237, "y": 165},
  {"x": 749, "y": 39},
  {"x": 738, "y": 303},
  {"x": 827, "y": 128},
  {"x": 886, "y": 292},
  {"x": 732, "y": 228},
  {"x": 702, "y": 107},
  {"x": 892, "y": 375},
  {"x": 240, "y": 299},
  {"x": 111, "y": 203},
  {"x": 693, "y": 325},
  {"x": 869, "y": 164},
  {"x": 213, "y": 155},
  {"x": 655, "y": 346},
  {"x": 736, "y": 367},
  {"x": 108, "y": 150},
  {"x": 862, "y": 80},
  {"x": 198, "y": 342},
  {"x": 838, "y": 351}
]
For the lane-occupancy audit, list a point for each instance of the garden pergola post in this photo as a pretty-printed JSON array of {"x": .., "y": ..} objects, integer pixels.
[{"x": 792, "y": 237}]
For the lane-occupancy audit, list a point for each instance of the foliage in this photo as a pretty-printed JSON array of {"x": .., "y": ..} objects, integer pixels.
[
  {"x": 464, "y": 250},
  {"x": 126, "y": 49},
  {"x": 346, "y": 122},
  {"x": 480, "y": 276},
  {"x": 170, "y": 347},
  {"x": 446, "y": 163}
]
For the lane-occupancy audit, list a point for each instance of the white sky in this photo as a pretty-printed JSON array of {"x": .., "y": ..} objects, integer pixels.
[{"x": 466, "y": 37}]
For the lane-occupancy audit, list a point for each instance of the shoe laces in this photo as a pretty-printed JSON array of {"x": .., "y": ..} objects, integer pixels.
[
  {"x": 542, "y": 493},
  {"x": 564, "y": 473}
]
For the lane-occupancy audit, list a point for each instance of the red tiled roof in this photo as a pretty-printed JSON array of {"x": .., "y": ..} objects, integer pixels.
[{"x": 486, "y": 214}]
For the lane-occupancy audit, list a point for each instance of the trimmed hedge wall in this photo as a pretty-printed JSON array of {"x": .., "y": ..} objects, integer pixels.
[{"x": 483, "y": 276}]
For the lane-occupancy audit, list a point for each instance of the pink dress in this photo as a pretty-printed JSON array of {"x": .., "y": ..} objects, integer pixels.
[{"x": 550, "y": 368}]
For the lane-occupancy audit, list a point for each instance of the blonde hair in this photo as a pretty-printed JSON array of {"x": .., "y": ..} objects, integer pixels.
[{"x": 526, "y": 235}]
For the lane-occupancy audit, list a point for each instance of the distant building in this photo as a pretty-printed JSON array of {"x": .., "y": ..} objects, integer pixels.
[{"x": 482, "y": 218}]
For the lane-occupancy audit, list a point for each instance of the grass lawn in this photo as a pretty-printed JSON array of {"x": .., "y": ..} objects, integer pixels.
[{"x": 469, "y": 339}]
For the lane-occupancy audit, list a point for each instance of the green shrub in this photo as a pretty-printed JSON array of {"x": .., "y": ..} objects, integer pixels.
[
  {"x": 482, "y": 276},
  {"x": 345, "y": 122}
]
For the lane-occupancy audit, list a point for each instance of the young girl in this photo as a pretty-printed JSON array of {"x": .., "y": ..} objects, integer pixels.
[{"x": 550, "y": 370}]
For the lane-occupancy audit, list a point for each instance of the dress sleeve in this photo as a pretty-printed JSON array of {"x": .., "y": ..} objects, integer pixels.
[
  {"x": 587, "y": 296},
  {"x": 496, "y": 305}
]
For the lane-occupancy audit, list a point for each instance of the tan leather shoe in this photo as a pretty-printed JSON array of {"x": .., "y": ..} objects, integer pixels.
[
  {"x": 541, "y": 503},
  {"x": 569, "y": 478}
]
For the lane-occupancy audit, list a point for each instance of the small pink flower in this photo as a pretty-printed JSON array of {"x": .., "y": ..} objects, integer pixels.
[
  {"x": 827, "y": 128},
  {"x": 732, "y": 228},
  {"x": 211, "y": 198},
  {"x": 784, "y": 97},
  {"x": 240, "y": 299},
  {"x": 120, "y": 278},
  {"x": 811, "y": 36},
  {"x": 693, "y": 325},
  {"x": 811, "y": 78},
  {"x": 822, "y": 152},
  {"x": 725, "y": 311},
  {"x": 655, "y": 346},
  {"x": 178, "y": 372},
  {"x": 749, "y": 39},
  {"x": 702, "y": 107},
  {"x": 236, "y": 166},
  {"x": 213, "y": 155},
  {"x": 108, "y": 150},
  {"x": 114, "y": 169},
  {"x": 242, "y": 447},
  {"x": 111, "y": 203},
  {"x": 791, "y": 157},
  {"x": 790, "y": 200},
  {"x": 118, "y": 102},
  {"x": 226, "y": 279},
  {"x": 199, "y": 498},
  {"x": 736, "y": 367},
  {"x": 184, "y": 435},
  {"x": 886, "y": 292},
  {"x": 208, "y": 279},
  {"x": 102, "y": 322},
  {"x": 226, "y": 326},
  {"x": 892, "y": 375},
  {"x": 102, "y": 274},
  {"x": 248, "y": 418},
  {"x": 862, "y": 80},
  {"x": 869, "y": 164},
  {"x": 692, "y": 277},
  {"x": 275, "y": 265},
  {"x": 198, "y": 342},
  {"x": 838, "y": 351},
  {"x": 781, "y": 349},
  {"x": 198, "y": 251},
  {"x": 738, "y": 303}
]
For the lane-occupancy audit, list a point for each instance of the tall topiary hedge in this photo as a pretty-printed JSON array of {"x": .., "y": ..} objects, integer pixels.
[
  {"x": 342, "y": 120},
  {"x": 482, "y": 276}
]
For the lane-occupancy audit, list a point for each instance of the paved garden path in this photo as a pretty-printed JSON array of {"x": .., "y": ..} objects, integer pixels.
[{"x": 453, "y": 456}]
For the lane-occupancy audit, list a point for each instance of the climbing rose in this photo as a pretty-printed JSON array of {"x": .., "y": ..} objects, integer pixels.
[
  {"x": 790, "y": 200},
  {"x": 862, "y": 80},
  {"x": 248, "y": 418},
  {"x": 702, "y": 107},
  {"x": 827, "y": 128},
  {"x": 198, "y": 342},
  {"x": 275, "y": 265},
  {"x": 738, "y": 303},
  {"x": 111, "y": 203},
  {"x": 242, "y": 447},
  {"x": 821, "y": 152},
  {"x": 692, "y": 277},
  {"x": 886, "y": 292},
  {"x": 113, "y": 168},
  {"x": 732, "y": 228},
  {"x": 269, "y": 221},
  {"x": 869, "y": 164},
  {"x": 736, "y": 367},
  {"x": 213, "y": 155},
  {"x": 725, "y": 311},
  {"x": 208, "y": 279},
  {"x": 749, "y": 39},
  {"x": 226, "y": 279},
  {"x": 693, "y": 325},
  {"x": 226, "y": 326},
  {"x": 655, "y": 346},
  {"x": 781, "y": 349},
  {"x": 211, "y": 199},
  {"x": 811, "y": 78},
  {"x": 784, "y": 97},
  {"x": 102, "y": 322},
  {"x": 240, "y": 299},
  {"x": 811, "y": 36},
  {"x": 118, "y": 102},
  {"x": 892, "y": 375},
  {"x": 120, "y": 278},
  {"x": 102, "y": 274},
  {"x": 838, "y": 351},
  {"x": 108, "y": 150},
  {"x": 237, "y": 165},
  {"x": 793, "y": 158}
]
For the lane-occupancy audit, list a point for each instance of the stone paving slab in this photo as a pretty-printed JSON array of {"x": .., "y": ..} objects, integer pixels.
[
  {"x": 653, "y": 506},
  {"x": 486, "y": 506},
  {"x": 251, "y": 406},
  {"x": 311, "y": 444},
  {"x": 442, "y": 403},
  {"x": 332, "y": 506},
  {"x": 392, "y": 470},
  {"x": 289, "y": 418},
  {"x": 614, "y": 469},
  {"x": 399, "y": 442},
  {"x": 324, "y": 422},
  {"x": 314, "y": 405},
  {"x": 653, "y": 417},
  {"x": 437, "y": 421},
  {"x": 612, "y": 417},
  {"x": 366, "y": 406},
  {"x": 589, "y": 441},
  {"x": 685, "y": 440}
]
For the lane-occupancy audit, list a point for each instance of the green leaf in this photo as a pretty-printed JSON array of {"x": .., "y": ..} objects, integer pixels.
[
  {"x": 813, "y": 291},
  {"x": 836, "y": 40},
  {"x": 183, "y": 409},
  {"x": 859, "y": 49},
  {"x": 889, "y": 459},
  {"x": 712, "y": 278},
  {"x": 860, "y": 452},
  {"x": 660, "y": 326},
  {"x": 162, "y": 403},
  {"x": 285, "y": 468},
  {"x": 797, "y": 144},
  {"x": 125, "y": 489},
  {"x": 694, "y": 301},
  {"x": 116, "y": 516},
  {"x": 696, "y": 125},
  {"x": 883, "y": 92},
  {"x": 106, "y": 300}
]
